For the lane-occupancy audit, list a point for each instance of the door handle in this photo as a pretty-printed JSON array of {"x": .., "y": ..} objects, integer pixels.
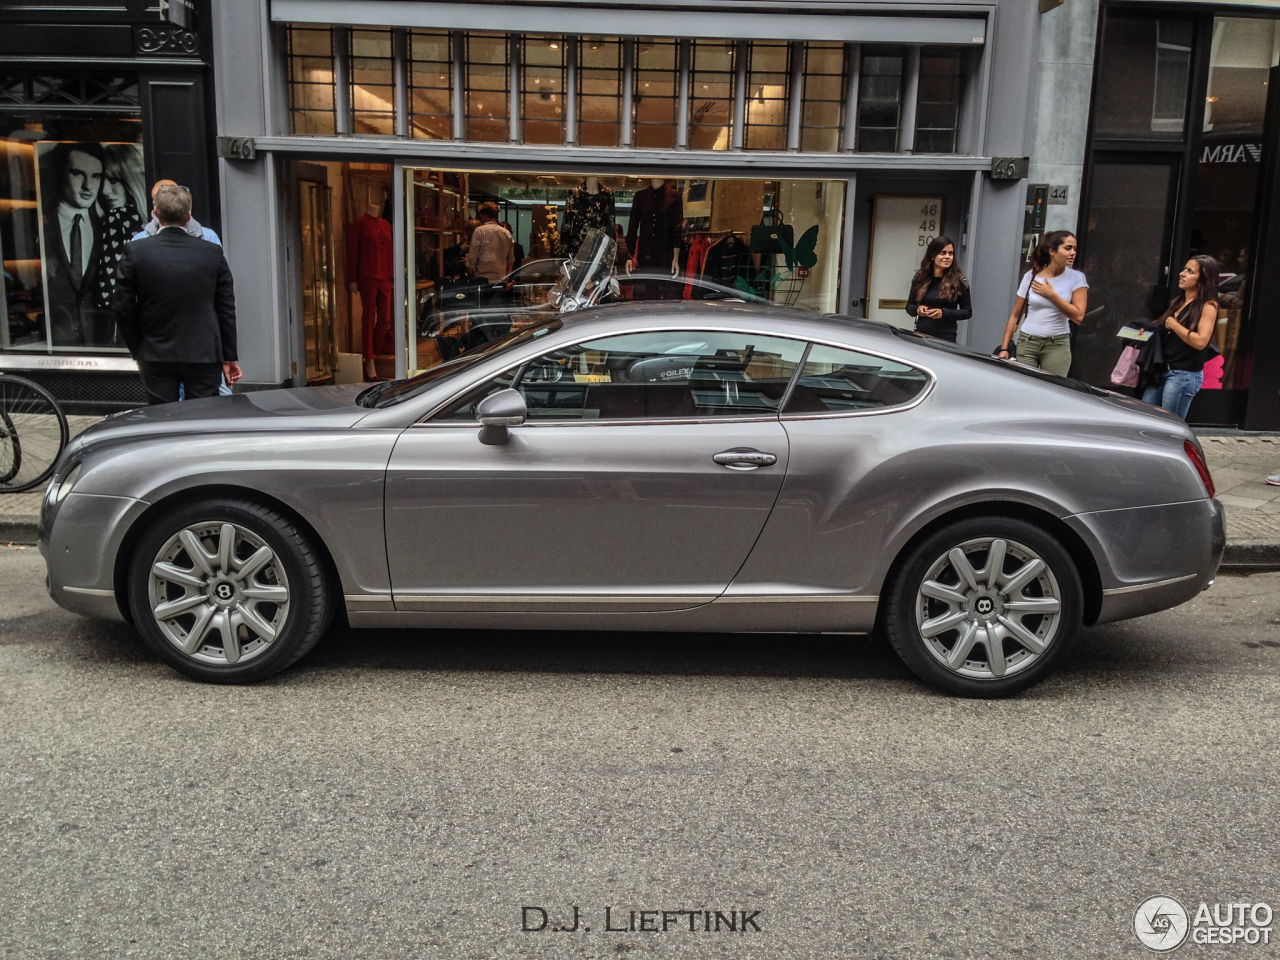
[{"x": 744, "y": 459}]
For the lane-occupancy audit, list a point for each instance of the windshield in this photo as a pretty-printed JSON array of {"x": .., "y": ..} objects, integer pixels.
[
  {"x": 398, "y": 391},
  {"x": 948, "y": 347}
]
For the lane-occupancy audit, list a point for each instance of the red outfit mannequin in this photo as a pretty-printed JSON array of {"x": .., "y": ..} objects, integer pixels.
[{"x": 369, "y": 270}]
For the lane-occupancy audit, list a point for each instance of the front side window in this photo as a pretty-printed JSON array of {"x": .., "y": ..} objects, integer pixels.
[
  {"x": 669, "y": 375},
  {"x": 835, "y": 380}
]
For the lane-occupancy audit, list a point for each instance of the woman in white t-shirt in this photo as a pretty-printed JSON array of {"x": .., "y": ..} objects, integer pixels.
[{"x": 1053, "y": 296}]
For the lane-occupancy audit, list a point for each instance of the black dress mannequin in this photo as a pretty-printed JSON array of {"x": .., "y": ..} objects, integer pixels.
[
  {"x": 586, "y": 210},
  {"x": 656, "y": 215}
]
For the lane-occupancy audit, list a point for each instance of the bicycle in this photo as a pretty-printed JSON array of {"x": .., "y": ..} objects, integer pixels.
[{"x": 33, "y": 433}]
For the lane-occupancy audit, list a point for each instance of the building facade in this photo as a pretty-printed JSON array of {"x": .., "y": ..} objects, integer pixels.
[
  {"x": 97, "y": 99},
  {"x": 867, "y": 129}
]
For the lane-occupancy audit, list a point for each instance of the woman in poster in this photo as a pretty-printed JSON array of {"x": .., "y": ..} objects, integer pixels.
[{"x": 124, "y": 211}]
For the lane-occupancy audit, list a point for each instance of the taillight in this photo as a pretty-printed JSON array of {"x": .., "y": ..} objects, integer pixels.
[{"x": 1202, "y": 468}]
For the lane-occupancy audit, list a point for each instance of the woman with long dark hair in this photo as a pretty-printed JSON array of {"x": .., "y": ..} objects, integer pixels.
[
  {"x": 939, "y": 292},
  {"x": 1185, "y": 330},
  {"x": 1051, "y": 296}
]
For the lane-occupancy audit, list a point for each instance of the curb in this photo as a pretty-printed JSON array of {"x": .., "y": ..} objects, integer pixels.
[{"x": 1239, "y": 555}]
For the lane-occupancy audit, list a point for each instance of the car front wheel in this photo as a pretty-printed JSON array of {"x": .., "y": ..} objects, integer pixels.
[
  {"x": 228, "y": 591},
  {"x": 985, "y": 607}
]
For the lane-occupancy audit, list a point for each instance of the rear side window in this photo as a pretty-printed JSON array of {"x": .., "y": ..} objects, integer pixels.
[{"x": 845, "y": 381}]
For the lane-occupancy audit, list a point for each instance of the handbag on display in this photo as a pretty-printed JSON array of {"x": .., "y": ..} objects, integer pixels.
[
  {"x": 1125, "y": 373},
  {"x": 770, "y": 237}
]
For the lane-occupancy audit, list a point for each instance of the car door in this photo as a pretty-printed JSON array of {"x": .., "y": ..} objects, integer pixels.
[{"x": 642, "y": 477}]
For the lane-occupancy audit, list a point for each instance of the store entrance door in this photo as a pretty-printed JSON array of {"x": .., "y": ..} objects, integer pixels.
[{"x": 318, "y": 280}]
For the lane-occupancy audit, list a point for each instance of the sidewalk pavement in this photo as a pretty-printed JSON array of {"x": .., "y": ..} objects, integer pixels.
[{"x": 1239, "y": 466}]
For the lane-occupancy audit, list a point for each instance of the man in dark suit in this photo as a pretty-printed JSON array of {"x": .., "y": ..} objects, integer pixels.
[
  {"x": 175, "y": 306},
  {"x": 73, "y": 231}
]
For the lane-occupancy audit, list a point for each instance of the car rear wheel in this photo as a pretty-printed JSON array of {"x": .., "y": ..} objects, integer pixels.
[
  {"x": 228, "y": 591},
  {"x": 985, "y": 607}
]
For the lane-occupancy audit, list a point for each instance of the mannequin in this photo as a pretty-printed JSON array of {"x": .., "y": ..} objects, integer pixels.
[
  {"x": 589, "y": 206},
  {"x": 653, "y": 234},
  {"x": 369, "y": 273}
]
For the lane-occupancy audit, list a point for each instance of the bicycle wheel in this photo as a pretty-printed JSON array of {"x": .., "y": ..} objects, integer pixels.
[{"x": 36, "y": 431}]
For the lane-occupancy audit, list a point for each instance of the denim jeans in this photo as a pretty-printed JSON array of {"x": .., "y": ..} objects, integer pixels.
[{"x": 1180, "y": 386}]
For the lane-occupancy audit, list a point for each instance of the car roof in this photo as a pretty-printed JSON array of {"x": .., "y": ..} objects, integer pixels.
[{"x": 729, "y": 313}]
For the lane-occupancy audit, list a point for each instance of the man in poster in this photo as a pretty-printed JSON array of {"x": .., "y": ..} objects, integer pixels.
[{"x": 72, "y": 239}]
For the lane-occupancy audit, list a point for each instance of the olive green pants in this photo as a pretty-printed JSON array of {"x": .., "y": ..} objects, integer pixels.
[{"x": 1050, "y": 354}]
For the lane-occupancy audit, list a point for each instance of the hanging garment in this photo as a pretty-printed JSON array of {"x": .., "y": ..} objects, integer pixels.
[
  {"x": 698, "y": 248},
  {"x": 655, "y": 226},
  {"x": 728, "y": 260},
  {"x": 585, "y": 211}
]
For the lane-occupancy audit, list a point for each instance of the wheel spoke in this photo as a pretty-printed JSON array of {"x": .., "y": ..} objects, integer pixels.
[
  {"x": 1024, "y": 636},
  {"x": 226, "y": 548},
  {"x": 968, "y": 578},
  {"x": 995, "y": 563},
  {"x": 261, "y": 557},
  {"x": 230, "y": 642},
  {"x": 259, "y": 626},
  {"x": 196, "y": 635},
  {"x": 960, "y": 652},
  {"x": 1028, "y": 572},
  {"x": 948, "y": 621},
  {"x": 266, "y": 593},
  {"x": 940, "y": 591},
  {"x": 995, "y": 650},
  {"x": 172, "y": 608},
  {"x": 196, "y": 551},
  {"x": 175, "y": 574},
  {"x": 1029, "y": 605}
]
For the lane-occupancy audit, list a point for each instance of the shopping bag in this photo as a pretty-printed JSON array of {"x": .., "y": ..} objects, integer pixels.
[
  {"x": 1125, "y": 373},
  {"x": 775, "y": 237}
]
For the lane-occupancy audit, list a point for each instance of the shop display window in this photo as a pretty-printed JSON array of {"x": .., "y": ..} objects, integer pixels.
[
  {"x": 599, "y": 91},
  {"x": 373, "y": 90},
  {"x": 880, "y": 99},
  {"x": 542, "y": 78},
  {"x": 768, "y": 94},
  {"x": 824, "y": 91},
  {"x": 711, "y": 81},
  {"x": 431, "y": 84},
  {"x": 72, "y": 193},
  {"x": 488, "y": 86},
  {"x": 311, "y": 87},
  {"x": 938, "y": 100},
  {"x": 657, "y": 82},
  {"x": 1143, "y": 76}
]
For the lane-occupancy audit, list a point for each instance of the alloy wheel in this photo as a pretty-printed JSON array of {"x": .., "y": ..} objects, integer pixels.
[
  {"x": 218, "y": 593},
  {"x": 988, "y": 608}
]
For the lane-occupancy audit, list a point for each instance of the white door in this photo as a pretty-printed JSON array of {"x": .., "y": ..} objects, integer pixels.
[{"x": 901, "y": 228}]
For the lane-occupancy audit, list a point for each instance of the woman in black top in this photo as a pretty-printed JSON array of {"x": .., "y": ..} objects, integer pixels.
[
  {"x": 1185, "y": 330},
  {"x": 939, "y": 292}
]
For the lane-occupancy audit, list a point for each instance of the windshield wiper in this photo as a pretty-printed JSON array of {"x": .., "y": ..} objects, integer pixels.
[{"x": 369, "y": 397}]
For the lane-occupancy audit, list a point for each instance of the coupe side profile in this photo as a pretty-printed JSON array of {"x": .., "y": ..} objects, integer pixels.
[{"x": 663, "y": 466}]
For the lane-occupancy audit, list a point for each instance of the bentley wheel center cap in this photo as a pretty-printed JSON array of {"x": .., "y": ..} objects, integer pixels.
[{"x": 224, "y": 592}]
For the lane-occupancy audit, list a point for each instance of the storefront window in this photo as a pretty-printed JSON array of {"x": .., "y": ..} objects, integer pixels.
[
  {"x": 311, "y": 94},
  {"x": 542, "y": 89},
  {"x": 768, "y": 91},
  {"x": 1143, "y": 74},
  {"x": 711, "y": 94},
  {"x": 72, "y": 193},
  {"x": 823, "y": 97},
  {"x": 431, "y": 84},
  {"x": 657, "y": 80},
  {"x": 704, "y": 226},
  {"x": 599, "y": 91},
  {"x": 938, "y": 100},
  {"x": 880, "y": 99},
  {"x": 373, "y": 85},
  {"x": 1243, "y": 53},
  {"x": 488, "y": 87}
]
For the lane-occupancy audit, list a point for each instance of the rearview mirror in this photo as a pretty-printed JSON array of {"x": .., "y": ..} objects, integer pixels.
[{"x": 497, "y": 412}]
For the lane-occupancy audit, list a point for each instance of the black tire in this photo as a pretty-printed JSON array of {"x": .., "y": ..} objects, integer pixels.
[
  {"x": 296, "y": 564},
  {"x": 1016, "y": 665},
  {"x": 37, "y": 430}
]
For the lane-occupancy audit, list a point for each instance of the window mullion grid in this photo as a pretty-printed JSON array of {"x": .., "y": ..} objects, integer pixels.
[
  {"x": 571, "y": 90},
  {"x": 795, "y": 108},
  {"x": 853, "y": 73},
  {"x": 514, "y": 85},
  {"x": 682, "y": 99},
  {"x": 400, "y": 51},
  {"x": 457, "y": 43},
  {"x": 740, "y": 95},
  {"x": 910, "y": 94},
  {"x": 628, "y": 79},
  {"x": 342, "y": 81}
]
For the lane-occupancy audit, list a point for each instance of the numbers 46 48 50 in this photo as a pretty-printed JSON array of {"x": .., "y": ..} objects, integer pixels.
[{"x": 928, "y": 224}]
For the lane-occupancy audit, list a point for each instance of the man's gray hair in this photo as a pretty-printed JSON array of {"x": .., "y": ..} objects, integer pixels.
[{"x": 173, "y": 205}]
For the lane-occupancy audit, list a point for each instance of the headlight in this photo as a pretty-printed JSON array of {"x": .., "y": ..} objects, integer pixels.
[{"x": 66, "y": 483}]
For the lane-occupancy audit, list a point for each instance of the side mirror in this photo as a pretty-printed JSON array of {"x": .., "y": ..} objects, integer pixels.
[
  {"x": 615, "y": 288},
  {"x": 497, "y": 412}
]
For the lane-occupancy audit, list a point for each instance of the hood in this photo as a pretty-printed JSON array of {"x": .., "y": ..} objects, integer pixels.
[{"x": 301, "y": 408}]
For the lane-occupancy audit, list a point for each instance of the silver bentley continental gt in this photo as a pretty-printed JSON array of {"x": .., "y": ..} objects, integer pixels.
[{"x": 661, "y": 466}]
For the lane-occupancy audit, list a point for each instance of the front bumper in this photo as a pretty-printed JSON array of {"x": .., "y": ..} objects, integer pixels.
[{"x": 80, "y": 539}]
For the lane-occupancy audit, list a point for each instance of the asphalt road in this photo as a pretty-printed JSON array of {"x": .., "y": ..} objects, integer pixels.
[{"x": 406, "y": 794}]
